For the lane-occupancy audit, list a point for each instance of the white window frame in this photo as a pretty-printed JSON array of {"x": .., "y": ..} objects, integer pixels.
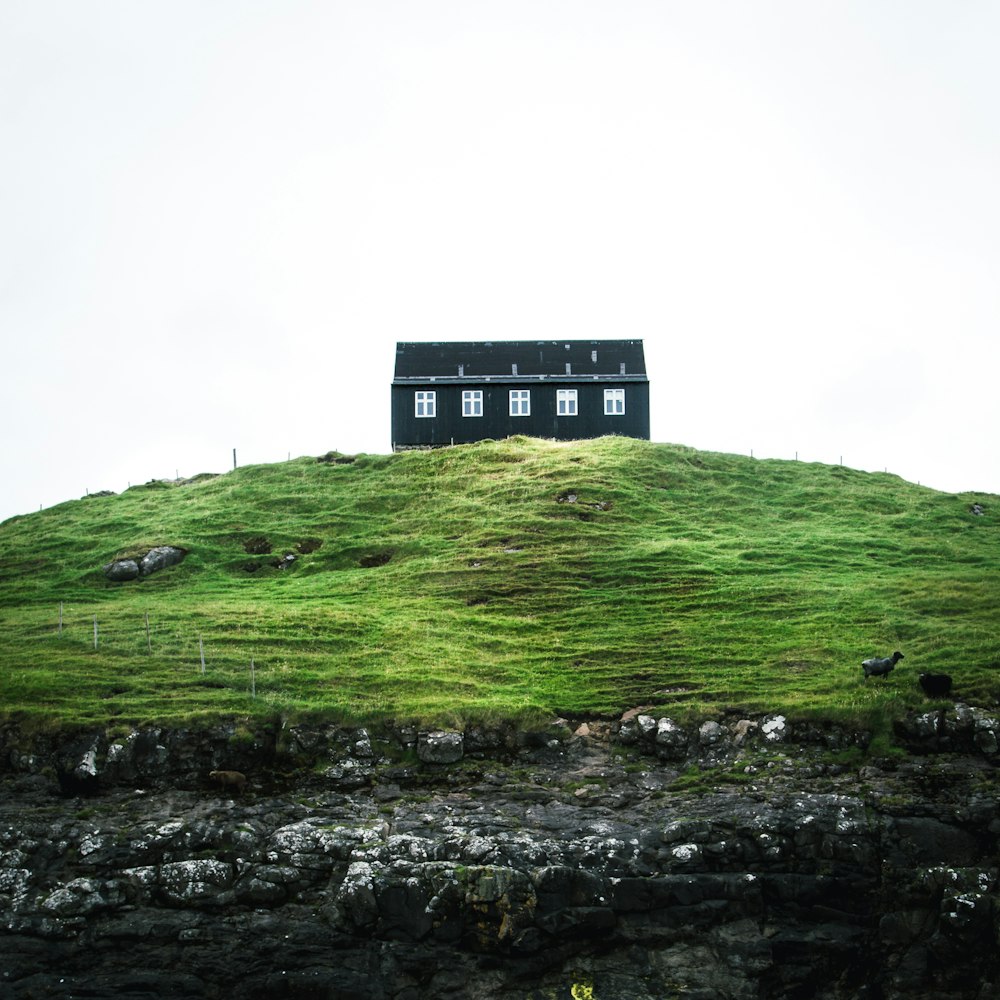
[
  {"x": 472, "y": 402},
  {"x": 425, "y": 403},
  {"x": 614, "y": 402},
  {"x": 520, "y": 402},
  {"x": 566, "y": 403}
]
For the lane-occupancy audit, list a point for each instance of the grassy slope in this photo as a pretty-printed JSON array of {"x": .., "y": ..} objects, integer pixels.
[{"x": 712, "y": 582}]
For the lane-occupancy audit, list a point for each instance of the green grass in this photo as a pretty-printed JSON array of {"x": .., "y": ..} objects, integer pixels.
[{"x": 691, "y": 582}]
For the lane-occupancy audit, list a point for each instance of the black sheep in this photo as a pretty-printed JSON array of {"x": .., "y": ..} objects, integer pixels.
[
  {"x": 879, "y": 667},
  {"x": 936, "y": 685}
]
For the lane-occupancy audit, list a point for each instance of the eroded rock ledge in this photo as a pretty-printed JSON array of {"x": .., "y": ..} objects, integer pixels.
[{"x": 734, "y": 859}]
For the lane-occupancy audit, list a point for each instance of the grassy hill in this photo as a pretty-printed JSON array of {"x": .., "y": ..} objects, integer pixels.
[{"x": 503, "y": 579}]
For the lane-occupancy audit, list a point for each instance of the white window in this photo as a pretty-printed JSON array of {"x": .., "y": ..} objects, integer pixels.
[
  {"x": 566, "y": 402},
  {"x": 614, "y": 402},
  {"x": 472, "y": 403},
  {"x": 426, "y": 404},
  {"x": 520, "y": 402}
]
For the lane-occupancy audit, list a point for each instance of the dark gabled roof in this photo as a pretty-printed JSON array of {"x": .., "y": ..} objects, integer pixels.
[{"x": 478, "y": 359}]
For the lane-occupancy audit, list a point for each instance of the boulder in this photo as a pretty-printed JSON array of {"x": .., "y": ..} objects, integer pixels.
[
  {"x": 710, "y": 733},
  {"x": 775, "y": 729},
  {"x": 647, "y": 726},
  {"x": 440, "y": 747},
  {"x": 671, "y": 739},
  {"x": 121, "y": 570},
  {"x": 160, "y": 558}
]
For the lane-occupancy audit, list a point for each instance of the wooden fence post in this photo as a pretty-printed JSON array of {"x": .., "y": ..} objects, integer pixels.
[{"x": 201, "y": 649}]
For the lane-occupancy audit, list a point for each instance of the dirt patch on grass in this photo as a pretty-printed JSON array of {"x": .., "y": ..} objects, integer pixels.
[
  {"x": 796, "y": 666},
  {"x": 375, "y": 559}
]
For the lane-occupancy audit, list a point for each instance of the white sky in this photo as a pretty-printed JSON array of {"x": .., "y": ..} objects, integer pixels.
[{"x": 217, "y": 218}]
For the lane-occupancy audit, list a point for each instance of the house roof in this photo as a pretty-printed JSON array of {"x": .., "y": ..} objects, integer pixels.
[{"x": 476, "y": 360}]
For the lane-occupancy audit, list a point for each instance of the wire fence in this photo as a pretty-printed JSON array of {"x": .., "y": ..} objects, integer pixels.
[{"x": 175, "y": 643}]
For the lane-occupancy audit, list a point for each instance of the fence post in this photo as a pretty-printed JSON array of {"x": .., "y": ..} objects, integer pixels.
[{"x": 201, "y": 649}]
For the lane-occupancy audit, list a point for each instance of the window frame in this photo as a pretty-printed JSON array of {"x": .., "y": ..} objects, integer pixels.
[
  {"x": 571, "y": 399},
  {"x": 611, "y": 398},
  {"x": 425, "y": 400},
  {"x": 523, "y": 401},
  {"x": 470, "y": 399}
]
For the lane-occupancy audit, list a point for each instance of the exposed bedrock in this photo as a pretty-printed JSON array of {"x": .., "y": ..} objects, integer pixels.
[{"x": 638, "y": 861}]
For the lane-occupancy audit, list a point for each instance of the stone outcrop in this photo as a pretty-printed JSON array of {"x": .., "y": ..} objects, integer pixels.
[
  {"x": 964, "y": 729},
  {"x": 157, "y": 558},
  {"x": 644, "y": 860}
]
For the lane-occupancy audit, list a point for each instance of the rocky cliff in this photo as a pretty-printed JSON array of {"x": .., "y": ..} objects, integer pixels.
[{"x": 743, "y": 858}]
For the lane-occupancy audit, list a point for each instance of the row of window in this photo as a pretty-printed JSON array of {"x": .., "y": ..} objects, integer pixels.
[{"x": 425, "y": 402}]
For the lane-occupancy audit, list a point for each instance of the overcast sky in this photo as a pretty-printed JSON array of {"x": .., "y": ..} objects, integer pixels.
[{"x": 217, "y": 218}]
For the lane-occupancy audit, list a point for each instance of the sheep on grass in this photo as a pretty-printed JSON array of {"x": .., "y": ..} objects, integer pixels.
[
  {"x": 936, "y": 685},
  {"x": 880, "y": 666}
]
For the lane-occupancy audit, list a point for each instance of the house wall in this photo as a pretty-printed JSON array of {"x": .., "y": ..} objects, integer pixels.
[{"x": 449, "y": 425}]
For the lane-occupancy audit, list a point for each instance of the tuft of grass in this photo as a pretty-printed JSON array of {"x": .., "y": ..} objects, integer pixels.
[{"x": 504, "y": 580}]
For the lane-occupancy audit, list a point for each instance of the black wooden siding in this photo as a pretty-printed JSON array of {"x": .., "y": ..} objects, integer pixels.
[{"x": 449, "y": 369}]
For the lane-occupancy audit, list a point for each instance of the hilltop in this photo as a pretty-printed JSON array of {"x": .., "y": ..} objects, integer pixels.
[{"x": 502, "y": 580}]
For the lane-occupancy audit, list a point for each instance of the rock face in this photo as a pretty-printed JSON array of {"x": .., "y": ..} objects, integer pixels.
[{"x": 701, "y": 861}]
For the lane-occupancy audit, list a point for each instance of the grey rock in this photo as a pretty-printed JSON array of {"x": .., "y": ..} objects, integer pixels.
[
  {"x": 160, "y": 558},
  {"x": 78, "y": 765},
  {"x": 629, "y": 733},
  {"x": 197, "y": 882},
  {"x": 710, "y": 733},
  {"x": 646, "y": 725},
  {"x": 121, "y": 570},
  {"x": 440, "y": 747},
  {"x": 671, "y": 739},
  {"x": 80, "y": 897},
  {"x": 775, "y": 729}
]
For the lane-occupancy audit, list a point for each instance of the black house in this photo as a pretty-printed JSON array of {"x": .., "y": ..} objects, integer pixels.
[{"x": 454, "y": 393}]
